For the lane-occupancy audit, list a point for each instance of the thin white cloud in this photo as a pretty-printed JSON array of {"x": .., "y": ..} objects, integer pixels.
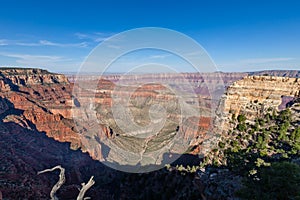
[
  {"x": 3, "y": 42},
  {"x": 100, "y": 39},
  {"x": 95, "y": 37},
  {"x": 265, "y": 60},
  {"x": 49, "y": 43},
  {"x": 103, "y": 33},
  {"x": 27, "y": 44},
  {"x": 55, "y": 44},
  {"x": 81, "y": 35},
  {"x": 191, "y": 54},
  {"x": 33, "y": 60}
]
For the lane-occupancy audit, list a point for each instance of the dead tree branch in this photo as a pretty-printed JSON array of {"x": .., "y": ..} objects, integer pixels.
[
  {"x": 84, "y": 188},
  {"x": 60, "y": 182}
]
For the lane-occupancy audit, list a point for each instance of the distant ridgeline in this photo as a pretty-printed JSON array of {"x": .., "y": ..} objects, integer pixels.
[{"x": 282, "y": 73}]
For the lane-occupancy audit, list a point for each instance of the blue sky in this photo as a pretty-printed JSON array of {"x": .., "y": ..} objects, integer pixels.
[{"x": 238, "y": 35}]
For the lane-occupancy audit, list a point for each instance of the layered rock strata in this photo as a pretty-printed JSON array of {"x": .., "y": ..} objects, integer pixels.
[{"x": 254, "y": 96}]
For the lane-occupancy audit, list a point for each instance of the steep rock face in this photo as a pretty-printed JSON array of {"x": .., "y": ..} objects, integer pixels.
[
  {"x": 254, "y": 95},
  {"x": 39, "y": 87},
  {"x": 266, "y": 90},
  {"x": 29, "y": 76},
  {"x": 39, "y": 100}
]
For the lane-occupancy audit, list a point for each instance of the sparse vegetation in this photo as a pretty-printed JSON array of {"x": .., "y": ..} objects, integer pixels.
[
  {"x": 262, "y": 153},
  {"x": 279, "y": 181},
  {"x": 241, "y": 118}
]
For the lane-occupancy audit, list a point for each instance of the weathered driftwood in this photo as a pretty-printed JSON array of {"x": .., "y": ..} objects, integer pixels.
[
  {"x": 84, "y": 188},
  {"x": 60, "y": 182}
]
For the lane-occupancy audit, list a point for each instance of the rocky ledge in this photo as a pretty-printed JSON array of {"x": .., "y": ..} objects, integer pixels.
[
  {"x": 14, "y": 77},
  {"x": 253, "y": 96}
]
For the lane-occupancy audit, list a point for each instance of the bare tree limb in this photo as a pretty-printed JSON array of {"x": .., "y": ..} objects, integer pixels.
[
  {"x": 60, "y": 182},
  {"x": 84, "y": 188}
]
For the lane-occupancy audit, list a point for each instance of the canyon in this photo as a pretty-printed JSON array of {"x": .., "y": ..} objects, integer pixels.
[
  {"x": 37, "y": 105},
  {"x": 47, "y": 102}
]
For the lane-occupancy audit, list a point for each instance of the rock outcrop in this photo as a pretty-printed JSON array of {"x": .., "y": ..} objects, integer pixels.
[
  {"x": 39, "y": 100},
  {"x": 254, "y": 96},
  {"x": 263, "y": 90},
  {"x": 29, "y": 77}
]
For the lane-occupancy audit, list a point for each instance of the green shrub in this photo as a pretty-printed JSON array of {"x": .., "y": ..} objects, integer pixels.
[
  {"x": 261, "y": 122},
  {"x": 221, "y": 145},
  {"x": 285, "y": 115},
  {"x": 241, "y": 127},
  {"x": 241, "y": 118},
  {"x": 280, "y": 181}
]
